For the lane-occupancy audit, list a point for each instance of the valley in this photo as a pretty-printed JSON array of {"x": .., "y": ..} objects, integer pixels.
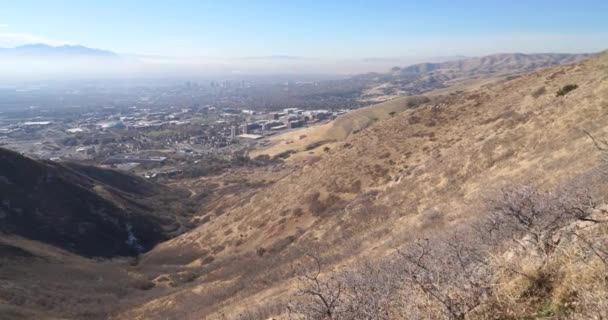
[{"x": 422, "y": 159}]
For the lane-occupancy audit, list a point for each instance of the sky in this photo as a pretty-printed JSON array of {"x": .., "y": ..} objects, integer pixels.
[{"x": 363, "y": 31}]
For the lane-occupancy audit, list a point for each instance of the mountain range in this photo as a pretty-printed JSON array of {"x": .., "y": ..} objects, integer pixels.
[
  {"x": 418, "y": 78},
  {"x": 43, "y": 50}
]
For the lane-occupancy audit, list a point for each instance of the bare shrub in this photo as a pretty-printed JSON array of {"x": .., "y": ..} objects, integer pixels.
[
  {"x": 535, "y": 254},
  {"x": 370, "y": 291},
  {"x": 439, "y": 279},
  {"x": 366, "y": 292},
  {"x": 320, "y": 297},
  {"x": 528, "y": 216},
  {"x": 449, "y": 278},
  {"x": 537, "y": 251}
]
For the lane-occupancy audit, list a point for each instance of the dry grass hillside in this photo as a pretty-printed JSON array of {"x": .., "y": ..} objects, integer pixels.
[
  {"x": 86, "y": 210},
  {"x": 316, "y": 138},
  {"x": 430, "y": 76},
  {"x": 432, "y": 79},
  {"x": 53, "y": 215},
  {"x": 420, "y": 172}
]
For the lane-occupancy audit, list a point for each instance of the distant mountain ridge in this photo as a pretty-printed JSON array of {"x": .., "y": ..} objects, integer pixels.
[
  {"x": 42, "y": 50},
  {"x": 494, "y": 63},
  {"x": 422, "y": 77}
]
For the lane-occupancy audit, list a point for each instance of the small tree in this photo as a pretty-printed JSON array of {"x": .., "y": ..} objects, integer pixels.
[{"x": 319, "y": 297}]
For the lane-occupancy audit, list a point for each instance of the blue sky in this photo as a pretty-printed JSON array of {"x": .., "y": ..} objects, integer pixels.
[{"x": 335, "y": 29}]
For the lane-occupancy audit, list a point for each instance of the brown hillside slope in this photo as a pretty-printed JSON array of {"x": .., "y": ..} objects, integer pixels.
[
  {"x": 421, "y": 171},
  {"x": 85, "y": 210},
  {"x": 40, "y": 281},
  {"x": 327, "y": 134},
  {"x": 441, "y": 78},
  {"x": 429, "y": 76},
  {"x": 53, "y": 215}
]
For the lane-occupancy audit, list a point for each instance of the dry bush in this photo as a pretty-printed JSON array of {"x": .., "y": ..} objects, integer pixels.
[
  {"x": 319, "y": 296},
  {"x": 531, "y": 256},
  {"x": 448, "y": 278},
  {"x": 320, "y": 207},
  {"x": 440, "y": 279},
  {"x": 367, "y": 292},
  {"x": 536, "y": 254},
  {"x": 565, "y": 89},
  {"x": 531, "y": 218},
  {"x": 542, "y": 264}
]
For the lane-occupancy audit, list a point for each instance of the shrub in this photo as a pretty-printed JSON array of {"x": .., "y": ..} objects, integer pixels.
[
  {"x": 365, "y": 294},
  {"x": 284, "y": 155},
  {"x": 527, "y": 259},
  {"x": 565, "y": 89},
  {"x": 260, "y": 251}
]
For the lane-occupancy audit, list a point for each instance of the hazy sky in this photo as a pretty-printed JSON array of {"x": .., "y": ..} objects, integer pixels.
[
  {"x": 334, "y": 29},
  {"x": 188, "y": 38}
]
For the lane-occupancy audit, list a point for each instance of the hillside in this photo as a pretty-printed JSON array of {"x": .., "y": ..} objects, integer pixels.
[
  {"x": 326, "y": 135},
  {"x": 423, "y": 77},
  {"x": 503, "y": 63},
  {"x": 450, "y": 77},
  {"x": 417, "y": 173},
  {"x": 427, "y": 80},
  {"x": 382, "y": 178},
  {"x": 86, "y": 210}
]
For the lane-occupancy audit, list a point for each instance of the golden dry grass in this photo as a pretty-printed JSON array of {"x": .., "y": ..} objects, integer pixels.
[
  {"x": 328, "y": 134},
  {"x": 378, "y": 187}
]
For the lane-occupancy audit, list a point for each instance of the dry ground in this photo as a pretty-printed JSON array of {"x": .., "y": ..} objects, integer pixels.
[
  {"x": 369, "y": 182},
  {"x": 420, "y": 171}
]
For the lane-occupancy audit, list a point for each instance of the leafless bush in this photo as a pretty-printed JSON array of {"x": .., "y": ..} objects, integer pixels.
[
  {"x": 372, "y": 291},
  {"x": 531, "y": 217},
  {"x": 443, "y": 279},
  {"x": 320, "y": 297},
  {"x": 543, "y": 263},
  {"x": 449, "y": 278},
  {"x": 529, "y": 245},
  {"x": 367, "y": 291}
]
